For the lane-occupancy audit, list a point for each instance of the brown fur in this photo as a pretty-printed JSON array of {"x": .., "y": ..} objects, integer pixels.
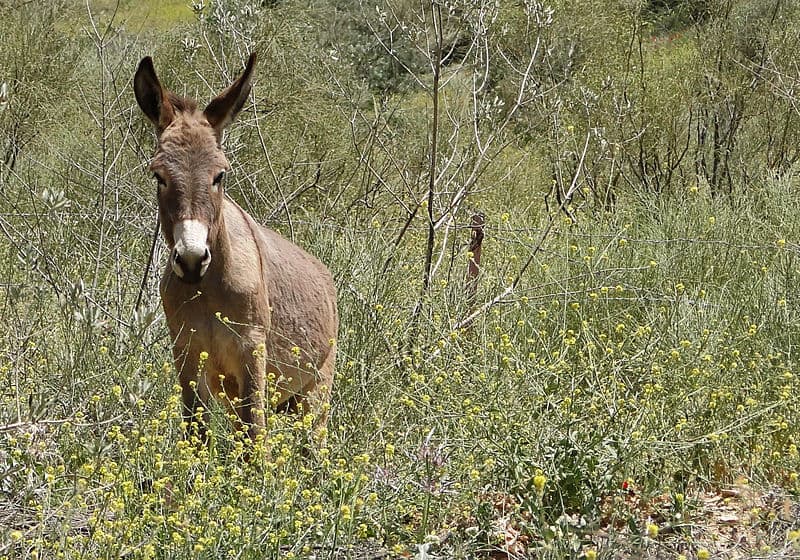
[{"x": 264, "y": 307}]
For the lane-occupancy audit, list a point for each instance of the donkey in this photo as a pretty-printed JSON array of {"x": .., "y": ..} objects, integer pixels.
[{"x": 243, "y": 304}]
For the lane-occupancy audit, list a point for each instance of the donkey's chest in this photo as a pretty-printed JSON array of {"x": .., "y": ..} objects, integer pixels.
[{"x": 213, "y": 318}]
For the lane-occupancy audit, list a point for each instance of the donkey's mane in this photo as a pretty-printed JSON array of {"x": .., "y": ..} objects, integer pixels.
[{"x": 182, "y": 104}]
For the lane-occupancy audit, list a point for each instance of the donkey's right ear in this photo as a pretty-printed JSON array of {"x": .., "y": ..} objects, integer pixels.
[{"x": 152, "y": 98}]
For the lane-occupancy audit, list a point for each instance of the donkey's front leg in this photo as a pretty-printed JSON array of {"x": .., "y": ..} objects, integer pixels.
[
  {"x": 194, "y": 392},
  {"x": 251, "y": 382}
]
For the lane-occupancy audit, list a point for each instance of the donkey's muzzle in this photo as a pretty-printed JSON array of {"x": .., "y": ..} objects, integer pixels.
[
  {"x": 191, "y": 254},
  {"x": 190, "y": 270}
]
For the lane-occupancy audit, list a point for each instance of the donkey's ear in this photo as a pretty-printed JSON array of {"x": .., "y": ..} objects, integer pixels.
[
  {"x": 224, "y": 107},
  {"x": 152, "y": 98}
]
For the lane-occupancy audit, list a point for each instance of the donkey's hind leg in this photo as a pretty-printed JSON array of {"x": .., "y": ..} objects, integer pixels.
[{"x": 316, "y": 396}]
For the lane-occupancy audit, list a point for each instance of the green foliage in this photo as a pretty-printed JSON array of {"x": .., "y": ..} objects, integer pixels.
[
  {"x": 38, "y": 69},
  {"x": 630, "y": 340}
]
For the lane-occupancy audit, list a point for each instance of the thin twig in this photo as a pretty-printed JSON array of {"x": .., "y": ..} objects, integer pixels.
[{"x": 149, "y": 264}]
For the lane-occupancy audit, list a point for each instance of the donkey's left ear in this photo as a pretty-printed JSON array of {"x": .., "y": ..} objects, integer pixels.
[{"x": 224, "y": 107}]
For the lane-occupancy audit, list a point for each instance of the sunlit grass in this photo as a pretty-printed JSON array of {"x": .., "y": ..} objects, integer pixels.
[{"x": 148, "y": 15}]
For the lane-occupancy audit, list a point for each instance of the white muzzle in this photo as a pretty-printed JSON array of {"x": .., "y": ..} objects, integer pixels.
[{"x": 192, "y": 255}]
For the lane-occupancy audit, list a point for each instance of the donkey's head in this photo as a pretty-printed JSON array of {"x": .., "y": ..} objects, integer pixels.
[{"x": 189, "y": 164}]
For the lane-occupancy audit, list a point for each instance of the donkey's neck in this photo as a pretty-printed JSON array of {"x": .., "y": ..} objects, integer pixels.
[{"x": 238, "y": 248}]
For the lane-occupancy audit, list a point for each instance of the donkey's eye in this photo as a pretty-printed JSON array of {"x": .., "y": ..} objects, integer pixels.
[
  {"x": 218, "y": 179},
  {"x": 159, "y": 179}
]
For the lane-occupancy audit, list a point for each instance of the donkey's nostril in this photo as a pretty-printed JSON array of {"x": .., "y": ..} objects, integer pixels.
[{"x": 190, "y": 267}]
